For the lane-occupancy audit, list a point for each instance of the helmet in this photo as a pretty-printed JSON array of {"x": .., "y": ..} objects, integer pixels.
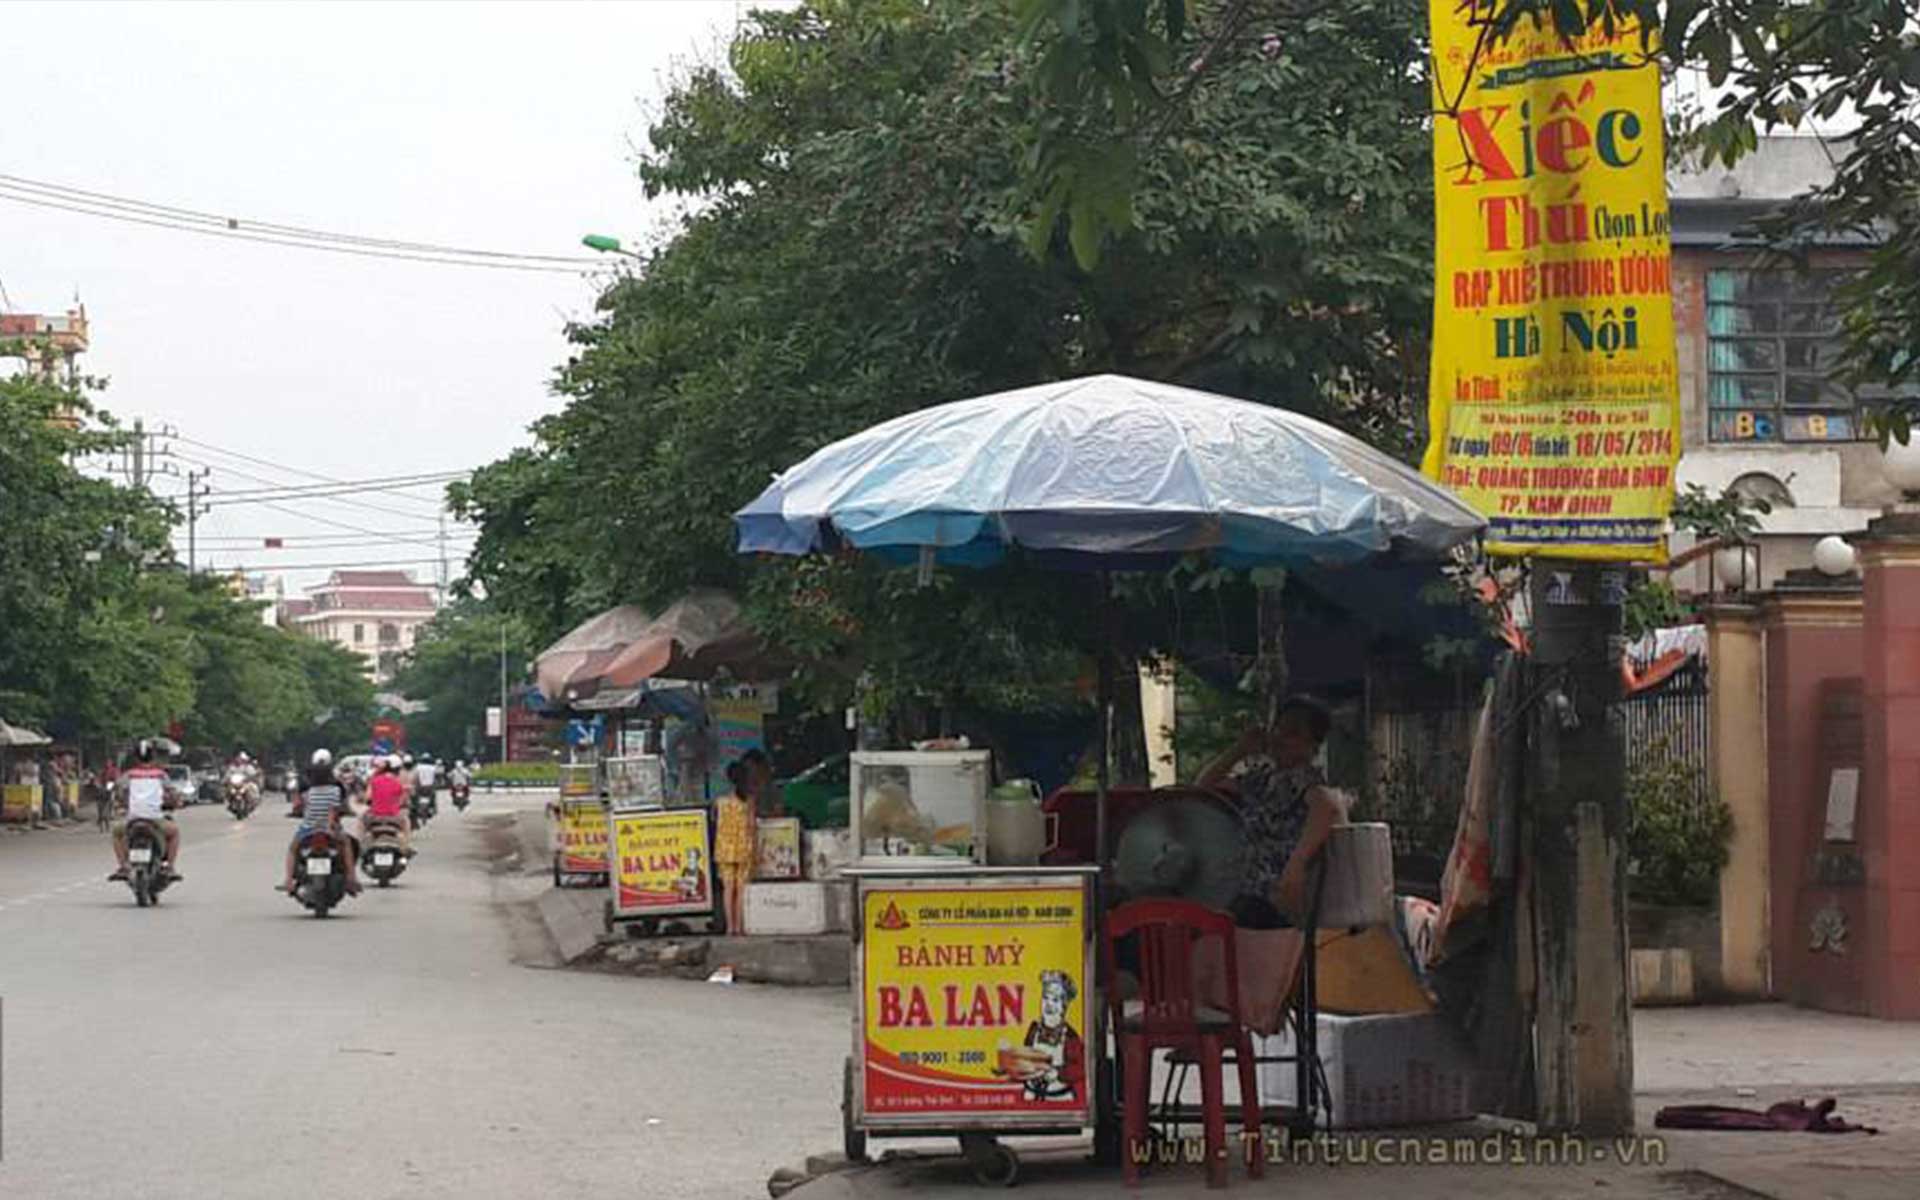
[
  {"x": 407, "y": 761},
  {"x": 393, "y": 762},
  {"x": 322, "y": 757},
  {"x": 148, "y": 751}
]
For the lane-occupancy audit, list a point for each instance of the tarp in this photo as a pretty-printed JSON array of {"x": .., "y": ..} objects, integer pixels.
[
  {"x": 699, "y": 636},
  {"x": 15, "y": 736},
  {"x": 584, "y": 652}
]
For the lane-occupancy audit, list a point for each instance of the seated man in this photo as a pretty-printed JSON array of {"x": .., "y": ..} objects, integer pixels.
[
  {"x": 1287, "y": 806},
  {"x": 145, "y": 785},
  {"x": 323, "y": 801}
]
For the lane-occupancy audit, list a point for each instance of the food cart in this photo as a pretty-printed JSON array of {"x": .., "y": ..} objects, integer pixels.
[
  {"x": 974, "y": 1005},
  {"x": 660, "y": 863},
  {"x": 581, "y": 834}
]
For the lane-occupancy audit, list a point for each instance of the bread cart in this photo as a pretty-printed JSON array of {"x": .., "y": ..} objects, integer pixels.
[{"x": 975, "y": 1012}]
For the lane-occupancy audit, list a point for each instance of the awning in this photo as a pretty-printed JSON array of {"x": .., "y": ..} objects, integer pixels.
[{"x": 15, "y": 736}]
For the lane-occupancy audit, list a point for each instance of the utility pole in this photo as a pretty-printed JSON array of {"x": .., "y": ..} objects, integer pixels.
[
  {"x": 1579, "y": 815},
  {"x": 194, "y": 510},
  {"x": 139, "y": 453},
  {"x": 441, "y": 580},
  {"x": 503, "y": 688}
]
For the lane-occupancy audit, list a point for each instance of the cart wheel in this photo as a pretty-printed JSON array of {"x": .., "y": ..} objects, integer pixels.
[
  {"x": 853, "y": 1141},
  {"x": 650, "y": 927},
  {"x": 994, "y": 1164}
]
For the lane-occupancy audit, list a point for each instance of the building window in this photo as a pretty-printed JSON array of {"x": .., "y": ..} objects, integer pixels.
[
  {"x": 389, "y": 634},
  {"x": 359, "y": 634},
  {"x": 1773, "y": 340}
]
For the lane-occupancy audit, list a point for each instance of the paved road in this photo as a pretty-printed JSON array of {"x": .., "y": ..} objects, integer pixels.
[{"x": 228, "y": 1044}]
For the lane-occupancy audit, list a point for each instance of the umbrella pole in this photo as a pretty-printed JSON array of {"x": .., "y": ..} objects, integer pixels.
[{"x": 1103, "y": 768}]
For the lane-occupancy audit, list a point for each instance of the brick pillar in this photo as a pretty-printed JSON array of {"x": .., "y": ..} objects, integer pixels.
[
  {"x": 1888, "y": 820},
  {"x": 1813, "y": 643},
  {"x": 1737, "y": 719}
]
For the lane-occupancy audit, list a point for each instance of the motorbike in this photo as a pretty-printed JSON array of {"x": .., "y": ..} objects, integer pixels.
[
  {"x": 460, "y": 793},
  {"x": 147, "y": 872},
  {"x": 384, "y": 858},
  {"x": 320, "y": 871},
  {"x": 423, "y": 807},
  {"x": 242, "y": 796}
]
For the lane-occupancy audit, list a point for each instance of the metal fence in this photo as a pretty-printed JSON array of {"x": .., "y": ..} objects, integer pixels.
[{"x": 1417, "y": 758}]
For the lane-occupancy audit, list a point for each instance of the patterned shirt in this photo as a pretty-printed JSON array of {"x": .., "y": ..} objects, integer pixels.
[
  {"x": 1273, "y": 803},
  {"x": 322, "y": 804}
]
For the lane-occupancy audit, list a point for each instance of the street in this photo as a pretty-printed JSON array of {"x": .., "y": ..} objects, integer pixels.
[{"x": 227, "y": 1043}]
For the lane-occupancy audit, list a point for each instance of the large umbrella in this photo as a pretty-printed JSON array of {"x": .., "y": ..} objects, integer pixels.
[
  {"x": 1106, "y": 473},
  {"x": 697, "y": 637},
  {"x": 582, "y": 654}
]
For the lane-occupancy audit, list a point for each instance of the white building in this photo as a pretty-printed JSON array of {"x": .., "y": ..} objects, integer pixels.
[{"x": 375, "y": 614}]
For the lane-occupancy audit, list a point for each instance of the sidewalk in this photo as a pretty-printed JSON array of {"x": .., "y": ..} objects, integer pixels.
[{"x": 1748, "y": 1056}]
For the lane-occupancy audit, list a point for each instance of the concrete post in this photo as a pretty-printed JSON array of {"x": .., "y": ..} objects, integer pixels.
[{"x": 1737, "y": 723}]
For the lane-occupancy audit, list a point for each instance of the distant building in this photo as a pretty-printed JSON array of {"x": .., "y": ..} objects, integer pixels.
[
  {"x": 50, "y": 346},
  {"x": 1757, "y": 344},
  {"x": 267, "y": 590},
  {"x": 375, "y": 614}
]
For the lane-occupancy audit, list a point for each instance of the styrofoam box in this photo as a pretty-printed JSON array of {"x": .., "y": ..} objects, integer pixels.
[
  {"x": 1384, "y": 1070},
  {"x": 786, "y": 909},
  {"x": 825, "y": 851}
]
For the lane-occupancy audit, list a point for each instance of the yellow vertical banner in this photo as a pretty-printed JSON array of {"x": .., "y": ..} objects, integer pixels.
[{"x": 1554, "y": 407}]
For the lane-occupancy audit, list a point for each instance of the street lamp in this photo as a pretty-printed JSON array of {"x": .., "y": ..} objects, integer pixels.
[{"x": 606, "y": 245}]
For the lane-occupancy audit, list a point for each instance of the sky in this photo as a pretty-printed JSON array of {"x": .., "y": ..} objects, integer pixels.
[{"x": 502, "y": 126}]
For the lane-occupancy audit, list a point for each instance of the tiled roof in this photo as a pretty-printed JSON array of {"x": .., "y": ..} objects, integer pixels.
[
  {"x": 296, "y": 608},
  {"x": 372, "y": 579},
  {"x": 404, "y": 599}
]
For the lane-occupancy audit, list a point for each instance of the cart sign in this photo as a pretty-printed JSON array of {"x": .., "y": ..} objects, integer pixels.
[
  {"x": 1554, "y": 407},
  {"x": 659, "y": 863},
  {"x": 974, "y": 1002},
  {"x": 583, "y": 839}
]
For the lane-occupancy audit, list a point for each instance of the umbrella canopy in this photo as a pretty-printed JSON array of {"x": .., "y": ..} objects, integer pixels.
[
  {"x": 15, "y": 736},
  {"x": 582, "y": 654},
  {"x": 697, "y": 637},
  {"x": 1106, "y": 472}
]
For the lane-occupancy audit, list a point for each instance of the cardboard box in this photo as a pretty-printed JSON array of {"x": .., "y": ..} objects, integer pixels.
[
  {"x": 784, "y": 909},
  {"x": 1382, "y": 1070}
]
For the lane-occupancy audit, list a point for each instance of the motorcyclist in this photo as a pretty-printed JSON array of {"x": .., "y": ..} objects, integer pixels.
[
  {"x": 144, "y": 786},
  {"x": 424, "y": 776},
  {"x": 387, "y": 798},
  {"x": 325, "y": 806},
  {"x": 459, "y": 777}
]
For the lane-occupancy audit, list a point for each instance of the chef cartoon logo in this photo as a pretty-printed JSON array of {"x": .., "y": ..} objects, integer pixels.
[{"x": 1051, "y": 1061}]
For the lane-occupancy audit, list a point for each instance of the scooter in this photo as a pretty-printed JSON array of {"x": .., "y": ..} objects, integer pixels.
[
  {"x": 242, "y": 797},
  {"x": 147, "y": 872},
  {"x": 384, "y": 858},
  {"x": 460, "y": 793},
  {"x": 320, "y": 871},
  {"x": 422, "y": 807}
]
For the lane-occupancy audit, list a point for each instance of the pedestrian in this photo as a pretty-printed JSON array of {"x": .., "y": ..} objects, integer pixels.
[
  {"x": 50, "y": 806},
  {"x": 734, "y": 843}
]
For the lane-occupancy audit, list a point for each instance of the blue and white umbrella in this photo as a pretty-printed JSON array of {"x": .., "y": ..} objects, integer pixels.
[{"x": 1106, "y": 472}]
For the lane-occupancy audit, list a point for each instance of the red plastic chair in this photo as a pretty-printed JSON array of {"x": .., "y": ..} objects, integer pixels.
[{"x": 1165, "y": 1015}]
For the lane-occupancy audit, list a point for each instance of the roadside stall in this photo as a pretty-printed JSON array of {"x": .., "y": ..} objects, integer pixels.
[
  {"x": 1100, "y": 474},
  {"x": 19, "y": 797}
]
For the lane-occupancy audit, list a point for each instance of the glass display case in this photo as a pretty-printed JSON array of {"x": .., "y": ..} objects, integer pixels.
[{"x": 921, "y": 806}]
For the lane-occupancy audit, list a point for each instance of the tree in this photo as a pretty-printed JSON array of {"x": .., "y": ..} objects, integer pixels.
[
  {"x": 858, "y": 182},
  {"x": 454, "y": 669},
  {"x": 70, "y": 545}
]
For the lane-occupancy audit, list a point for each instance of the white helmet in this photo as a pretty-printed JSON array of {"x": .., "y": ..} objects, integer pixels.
[{"x": 322, "y": 757}]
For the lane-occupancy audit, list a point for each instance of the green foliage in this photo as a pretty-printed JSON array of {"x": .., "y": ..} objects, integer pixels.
[
  {"x": 858, "y": 179},
  {"x": 1680, "y": 833},
  {"x": 1800, "y": 66},
  {"x": 1651, "y": 604},
  {"x": 454, "y": 668},
  {"x": 543, "y": 774},
  {"x": 1728, "y": 517}
]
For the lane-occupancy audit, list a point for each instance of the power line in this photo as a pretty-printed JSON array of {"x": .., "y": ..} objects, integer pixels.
[
  {"x": 330, "y": 541},
  {"x": 235, "y": 235},
  {"x": 292, "y": 470},
  {"x": 320, "y": 491},
  {"x": 336, "y": 499},
  {"x": 332, "y": 566},
  {"x": 108, "y": 199}
]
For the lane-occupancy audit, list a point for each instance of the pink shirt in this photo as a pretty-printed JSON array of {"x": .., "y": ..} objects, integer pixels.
[{"x": 386, "y": 795}]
